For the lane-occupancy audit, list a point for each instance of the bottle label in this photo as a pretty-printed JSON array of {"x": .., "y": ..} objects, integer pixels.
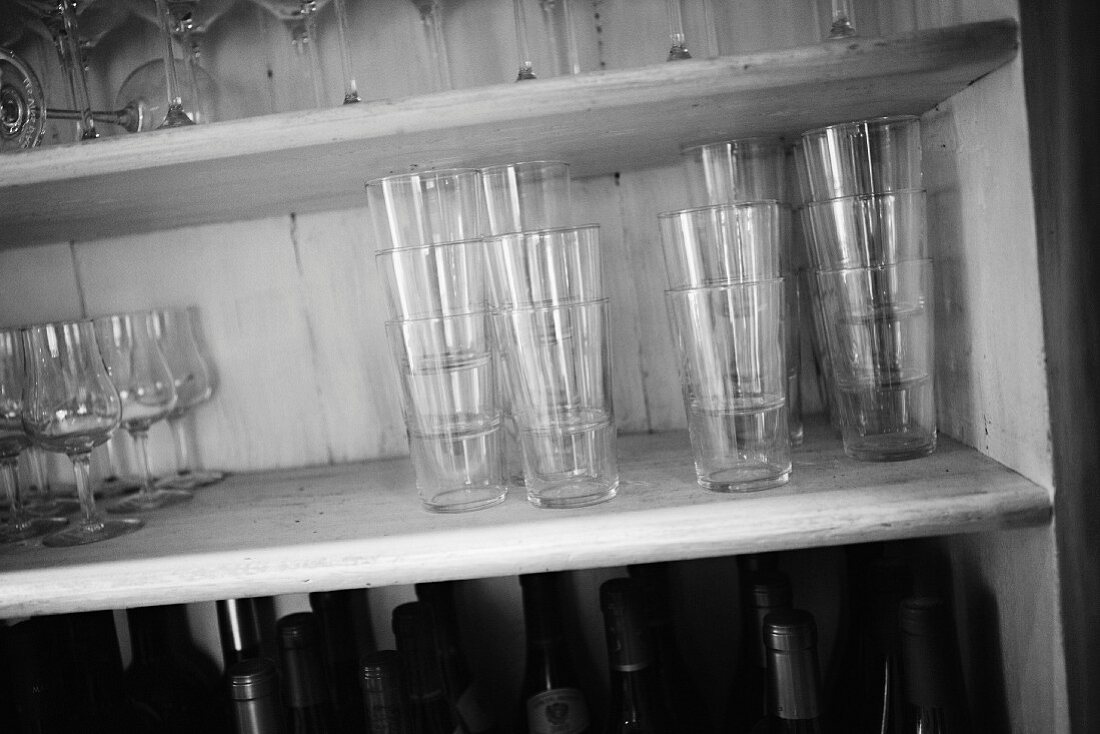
[{"x": 557, "y": 711}]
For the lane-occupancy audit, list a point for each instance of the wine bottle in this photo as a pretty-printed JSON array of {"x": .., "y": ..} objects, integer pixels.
[
  {"x": 305, "y": 696},
  {"x": 169, "y": 675},
  {"x": 635, "y": 704},
  {"x": 244, "y": 629},
  {"x": 458, "y": 683},
  {"x": 385, "y": 710},
  {"x": 429, "y": 710},
  {"x": 794, "y": 684},
  {"x": 254, "y": 700},
  {"x": 340, "y": 652},
  {"x": 932, "y": 674},
  {"x": 681, "y": 693},
  {"x": 551, "y": 698},
  {"x": 762, "y": 592}
]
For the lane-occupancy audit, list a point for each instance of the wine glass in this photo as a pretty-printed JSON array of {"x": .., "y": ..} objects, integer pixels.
[
  {"x": 678, "y": 50},
  {"x": 194, "y": 385},
  {"x": 431, "y": 20},
  {"x": 21, "y": 525},
  {"x": 147, "y": 394},
  {"x": 300, "y": 18},
  {"x": 176, "y": 115},
  {"x": 71, "y": 406}
]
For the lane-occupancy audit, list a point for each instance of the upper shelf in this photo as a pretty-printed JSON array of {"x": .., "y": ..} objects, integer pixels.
[
  {"x": 600, "y": 122},
  {"x": 361, "y": 525}
]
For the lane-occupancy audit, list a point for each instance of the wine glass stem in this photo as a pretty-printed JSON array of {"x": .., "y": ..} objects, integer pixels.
[
  {"x": 75, "y": 65},
  {"x": 17, "y": 513},
  {"x": 351, "y": 88},
  {"x": 526, "y": 68},
  {"x": 309, "y": 42},
  {"x": 140, "y": 439},
  {"x": 842, "y": 24},
  {"x": 678, "y": 49},
  {"x": 82, "y": 472},
  {"x": 175, "y": 115},
  {"x": 431, "y": 16},
  {"x": 179, "y": 436}
]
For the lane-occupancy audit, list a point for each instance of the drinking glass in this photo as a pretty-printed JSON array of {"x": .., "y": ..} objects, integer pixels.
[
  {"x": 558, "y": 363},
  {"x": 879, "y": 332},
  {"x": 194, "y": 381},
  {"x": 545, "y": 267},
  {"x": 71, "y": 406},
  {"x": 867, "y": 229},
  {"x": 451, "y": 402},
  {"x": 147, "y": 393},
  {"x": 723, "y": 243},
  {"x": 746, "y": 169},
  {"x": 426, "y": 207},
  {"x": 435, "y": 280},
  {"x": 731, "y": 343},
  {"x": 20, "y": 525},
  {"x": 871, "y": 156},
  {"x": 526, "y": 195}
]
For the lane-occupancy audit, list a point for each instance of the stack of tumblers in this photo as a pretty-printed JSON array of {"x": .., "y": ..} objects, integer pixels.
[
  {"x": 728, "y": 312},
  {"x": 866, "y": 236}
]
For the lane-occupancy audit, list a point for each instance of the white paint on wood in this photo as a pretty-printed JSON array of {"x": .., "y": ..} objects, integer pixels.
[{"x": 361, "y": 525}]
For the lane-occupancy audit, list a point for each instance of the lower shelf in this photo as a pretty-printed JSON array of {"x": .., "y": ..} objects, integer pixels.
[{"x": 361, "y": 525}]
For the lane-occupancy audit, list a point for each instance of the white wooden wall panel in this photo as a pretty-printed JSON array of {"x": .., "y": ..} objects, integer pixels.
[{"x": 245, "y": 280}]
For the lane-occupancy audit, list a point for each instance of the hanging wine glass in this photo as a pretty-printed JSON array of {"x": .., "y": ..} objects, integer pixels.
[
  {"x": 20, "y": 525},
  {"x": 70, "y": 406},
  {"x": 678, "y": 50},
  {"x": 147, "y": 393},
  {"x": 22, "y": 106},
  {"x": 300, "y": 17},
  {"x": 439, "y": 63},
  {"x": 526, "y": 66},
  {"x": 194, "y": 385},
  {"x": 175, "y": 115},
  {"x": 60, "y": 19},
  {"x": 141, "y": 101}
]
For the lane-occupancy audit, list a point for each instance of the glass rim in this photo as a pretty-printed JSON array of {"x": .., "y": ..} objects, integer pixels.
[
  {"x": 689, "y": 289},
  {"x": 778, "y": 140},
  {"x": 864, "y": 195},
  {"x": 432, "y": 173},
  {"x": 479, "y": 240},
  {"x": 516, "y": 164},
  {"x": 398, "y": 322},
  {"x": 529, "y": 307},
  {"x": 748, "y": 204},
  {"x": 879, "y": 120},
  {"x": 542, "y": 231},
  {"x": 914, "y": 261}
]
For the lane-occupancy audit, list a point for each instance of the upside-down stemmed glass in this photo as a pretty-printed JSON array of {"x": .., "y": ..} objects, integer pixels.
[
  {"x": 147, "y": 393},
  {"x": 71, "y": 406},
  {"x": 678, "y": 49},
  {"x": 431, "y": 20},
  {"x": 20, "y": 525},
  {"x": 194, "y": 385}
]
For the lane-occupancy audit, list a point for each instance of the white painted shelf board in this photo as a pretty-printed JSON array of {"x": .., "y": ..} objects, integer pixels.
[
  {"x": 361, "y": 525},
  {"x": 600, "y": 122}
]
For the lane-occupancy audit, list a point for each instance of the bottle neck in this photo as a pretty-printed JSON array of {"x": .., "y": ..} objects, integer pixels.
[{"x": 793, "y": 684}]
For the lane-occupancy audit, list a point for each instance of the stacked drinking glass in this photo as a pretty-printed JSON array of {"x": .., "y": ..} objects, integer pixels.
[
  {"x": 552, "y": 325},
  {"x": 440, "y": 331},
  {"x": 498, "y": 327},
  {"x": 727, "y": 303},
  {"x": 866, "y": 236}
]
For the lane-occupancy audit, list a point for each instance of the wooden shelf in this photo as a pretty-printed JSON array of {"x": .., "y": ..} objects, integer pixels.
[
  {"x": 362, "y": 525},
  {"x": 600, "y": 122}
]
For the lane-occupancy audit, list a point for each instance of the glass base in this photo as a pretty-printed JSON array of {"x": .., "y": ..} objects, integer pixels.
[
  {"x": 114, "y": 486},
  {"x": 190, "y": 479},
  {"x": 746, "y": 479},
  {"x": 891, "y": 447},
  {"x": 572, "y": 494},
  {"x": 53, "y": 507},
  {"x": 93, "y": 532},
  {"x": 32, "y": 528},
  {"x": 144, "y": 501},
  {"x": 465, "y": 499}
]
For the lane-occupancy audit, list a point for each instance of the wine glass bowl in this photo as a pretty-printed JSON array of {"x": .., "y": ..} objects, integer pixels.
[
  {"x": 71, "y": 406},
  {"x": 147, "y": 394},
  {"x": 194, "y": 381}
]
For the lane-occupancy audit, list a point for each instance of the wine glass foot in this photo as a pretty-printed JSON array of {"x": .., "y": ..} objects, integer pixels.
[
  {"x": 190, "y": 479},
  {"x": 114, "y": 486},
  {"x": 152, "y": 499},
  {"x": 176, "y": 117},
  {"x": 31, "y": 528},
  {"x": 93, "y": 532},
  {"x": 53, "y": 507}
]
